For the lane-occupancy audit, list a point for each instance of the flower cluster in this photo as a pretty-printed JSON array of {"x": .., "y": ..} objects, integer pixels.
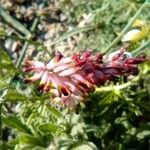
[{"x": 70, "y": 79}]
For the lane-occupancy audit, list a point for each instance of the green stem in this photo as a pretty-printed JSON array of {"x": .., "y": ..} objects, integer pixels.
[
  {"x": 26, "y": 44},
  {"x": 21, "y": 28},
  {"x": 57, "y": 40},
  {"x": 117, "y": 87},
  {"x": 70, "y": 34},
  {"x": 1, "y": 108},
  {"x": 140, "y": 49},
  {"x": 1, "y": 104},
  {"x": 35, "y": 22},
  {"x": 23, "y": 52},
  {"x": 126, "y": 27},
  {"x": 29, "y": 120},
  {"x": 14, "y": 23},
  {"x": 30, "y": 41}
]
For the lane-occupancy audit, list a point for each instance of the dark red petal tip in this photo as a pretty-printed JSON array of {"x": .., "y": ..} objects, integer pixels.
[{"x": 27, "y": 80}]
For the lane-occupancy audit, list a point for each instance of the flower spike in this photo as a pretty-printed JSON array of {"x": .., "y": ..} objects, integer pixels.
[{"x": 70, "y": 79}]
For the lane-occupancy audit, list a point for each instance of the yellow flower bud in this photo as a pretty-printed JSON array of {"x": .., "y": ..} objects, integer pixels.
[{"x": 140, "y": 31}]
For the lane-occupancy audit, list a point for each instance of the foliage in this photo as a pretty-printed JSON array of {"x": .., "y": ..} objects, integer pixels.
[{"x": 115, "y": 116}]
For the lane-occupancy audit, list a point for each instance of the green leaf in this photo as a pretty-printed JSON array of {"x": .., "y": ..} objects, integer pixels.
[
  {"x": 5, "y": 146},
  {"x": 13, "y": 142},
  {"x": 5, "y": 61},
  {"x": 26, "y": 147},
  {"x": 54, "y": 111},
  {"x": 38, "y": 148},
  {"x": 48, "y": 127},
  {"x": 145, "y": 67},
  {"x": 3, "y": 84},
  {"x": 81, "y": 145},
  {"x": 7, "y": 69},
  {"x": 14, "y": 96},
  {"x": 2, "y": 32},
  {"x": 143, "y": 134},
  {"x": 30, "y": 140},
  {"x": 15, "y": 123}
]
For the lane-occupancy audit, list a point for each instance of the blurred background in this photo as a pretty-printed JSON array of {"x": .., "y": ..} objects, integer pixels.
[{"x": 38, "y": 29}]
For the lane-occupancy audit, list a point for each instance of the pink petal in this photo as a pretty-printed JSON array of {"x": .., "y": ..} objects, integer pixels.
[
  {"x": 64, "y": 90},
  {"x": 51, "y": 64},
  {"x": 56, "y": 81},
  {"x": 44, "y": 78},
  {"x": 33, "y": 78},
  {"x": 68, "y": 72},
  {"x": 47, "y": 85},
  {"x": 36, "y": 64},
  {"x": 81, "y": 79},
  {"x": 64, "y": 61},
  {"x": 62, "y": 67}
]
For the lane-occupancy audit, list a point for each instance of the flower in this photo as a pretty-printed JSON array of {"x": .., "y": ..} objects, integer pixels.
[
  {"x": 70, "y": 79},
  {"x": 140, "y": 31}
]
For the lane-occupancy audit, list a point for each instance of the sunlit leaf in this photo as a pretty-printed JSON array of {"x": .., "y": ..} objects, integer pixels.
[
  {"x": 5, "y": 60},
  {"x": 14, "y": 96},
  {"x": 83, "y": 145},
  {"x": 54, "y": 111},
  {"x": 2, "y": 32},
  {"x": 13, "y": 142},
  {"x": 16, "y": 123},
  {"x": 39, "y": 148},
  {"x": 48, "y": 127},
  {"x": 143, "y": 134},
  {"x": 2, "y": 83},
  {"x": 30, "y": 140}
]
